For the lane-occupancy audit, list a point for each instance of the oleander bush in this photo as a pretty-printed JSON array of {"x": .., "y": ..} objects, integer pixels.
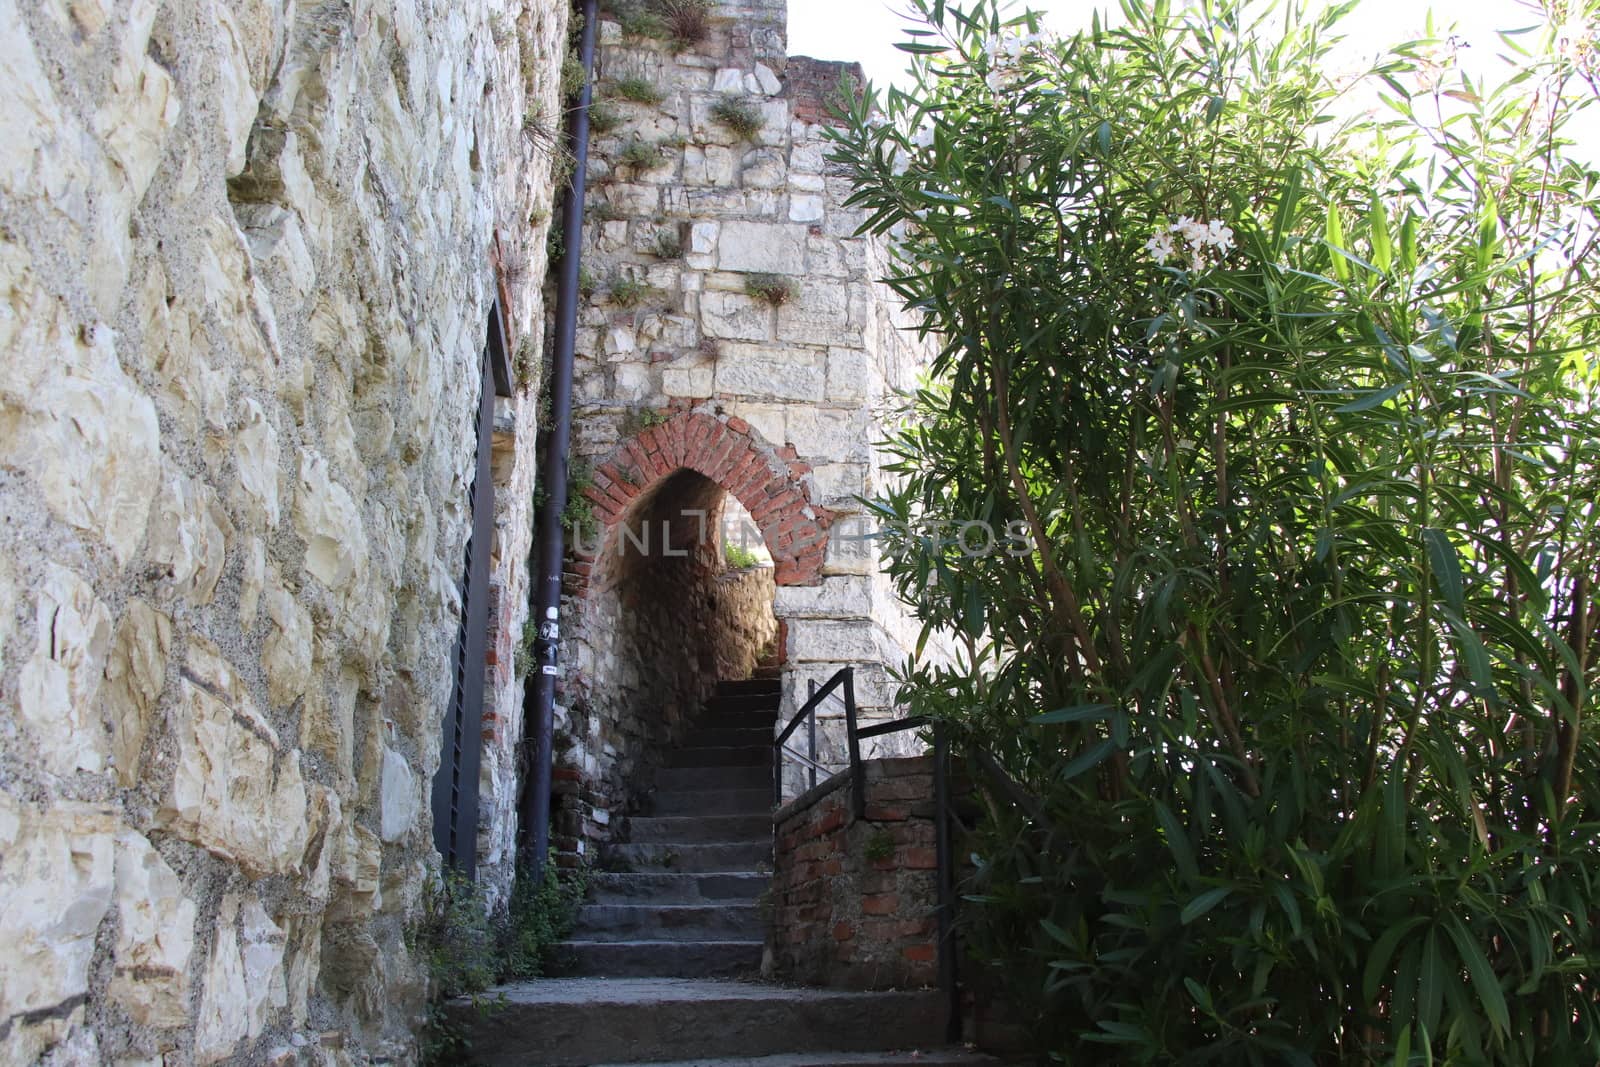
[{"x": 1281, "y": 417}]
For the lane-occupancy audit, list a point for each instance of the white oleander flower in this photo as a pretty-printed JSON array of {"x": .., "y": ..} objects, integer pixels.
[
  {"x": 923, "y": 138},
  {"x": 1160, "y": 247}
]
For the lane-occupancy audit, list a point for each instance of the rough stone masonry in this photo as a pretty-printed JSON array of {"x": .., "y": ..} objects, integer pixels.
[{"x": 248, "y": 252}]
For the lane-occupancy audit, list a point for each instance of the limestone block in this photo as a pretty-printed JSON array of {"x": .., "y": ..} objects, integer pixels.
[
  {"x": 82, "y": 428},
  {"x": 735, "y": 316},
  {"x": 806, "y": 183},
  {"x": 187, "y": 539},
  {"x": 767, "y": 420},
  {"x": 633, "y": 383},
  {"x": 57, "y": 879},
  {"x": 59, "y": 686},
  {"x": 155, "y": 936},
  {"x": 141, "y": 108},
  {"x": 286, "y": 654},
  {"x": 709, "y": 165},
  {"x": 808, "y": 157},
  {"x": 774, "y": 122},
  {"x": 784, "y": 374},
  {"x": 222, "y": 1023},
  {"x": 843, "y": 597},
  {"x": 703, "y": 237},
  {"x": 805, "y": 207},
  {"x": 689, "y": 380},
  {"x": 399, "y": 800},
  {"x": 277, "y": 242},
  {"x": 825, "y": 312},
  {"x": 828, "y": 257},
  {"x": 234, "y": 94},
  {"x": 773, "y": 248},
  {"x": 327, "y": 517},
  {"x": 638, "y": 201},
  {"x": 304, "y": 933},
  {"x": 724, "y": 203},
  {"x": 619, "y": 343},
  {"x": 33, "y": 115},
  {"x": 850, "y": 375},
  {"x": 849, "y": 555},
  {"x": 255, "y": 451},
  {"x": 838, "y": 484},
  {"x": 762, "y": 168},
  {"x": 766, "y": 81},
  {"x": 232, "y": 794},
  {"x": 136, "y": 671},
  {"x": 822, "y": 640},
  {"x": 824, "y": 434},
  {"x": 261, "y": 945},
  {"x": 728, "y": 80}
]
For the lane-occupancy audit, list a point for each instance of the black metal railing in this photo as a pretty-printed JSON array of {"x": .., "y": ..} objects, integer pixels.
[{"x": 841, "y": 688}]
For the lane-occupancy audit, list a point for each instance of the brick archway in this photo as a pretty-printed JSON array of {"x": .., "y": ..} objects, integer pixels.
[{"x": 762, "y": 478}]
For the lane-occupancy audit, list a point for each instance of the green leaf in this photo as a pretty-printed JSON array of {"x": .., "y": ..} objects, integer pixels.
[
  {"x": 1382, "y": 249},
  {"x": 1380, "y": 955},
  {"x": 917, "y": 48},
  {"x": 1334, "y": 234},
  {"x": 1202, "y": 904},
  {"x": 1490, "y": 996},
  {"x": 1076, "y": 713},
  {"x": 1371, "y": 400},
  {"x": 1446, "y": 567},
  {"x": 1176, "y": 836},
  {"x": 1088, "y": 759}
]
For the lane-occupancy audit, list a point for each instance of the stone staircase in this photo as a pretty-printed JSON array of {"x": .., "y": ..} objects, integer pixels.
[
  {"x": 677, "y": 895},
  {"x": 651, "y": 972}
]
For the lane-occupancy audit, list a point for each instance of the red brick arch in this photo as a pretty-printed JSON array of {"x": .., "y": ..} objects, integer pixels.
[{"x": 764, "y": 479}]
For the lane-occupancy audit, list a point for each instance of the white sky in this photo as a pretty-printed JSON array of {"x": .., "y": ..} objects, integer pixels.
[{"x": 865, "y": 30}]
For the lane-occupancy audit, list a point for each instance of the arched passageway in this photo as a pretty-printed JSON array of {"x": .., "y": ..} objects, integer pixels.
[{"x": 660, "y": 613}]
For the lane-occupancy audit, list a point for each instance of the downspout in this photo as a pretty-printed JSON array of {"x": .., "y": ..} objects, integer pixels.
[{"x": 539, "y": 693}]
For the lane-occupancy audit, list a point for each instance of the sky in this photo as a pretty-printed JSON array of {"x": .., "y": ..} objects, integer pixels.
[{"x": 865, "y": 30}]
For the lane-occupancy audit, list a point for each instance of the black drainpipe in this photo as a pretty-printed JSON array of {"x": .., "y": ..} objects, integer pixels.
[{"x": 539, "y": 693}]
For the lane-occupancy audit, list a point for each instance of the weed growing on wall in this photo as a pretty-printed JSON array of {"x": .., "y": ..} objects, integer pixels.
[
  {"x": 1300, "y": 411},
  {"x": 740, "y": 116},
  {"x": 638, "y": 90},
  {"x": 773, "y": 289}
]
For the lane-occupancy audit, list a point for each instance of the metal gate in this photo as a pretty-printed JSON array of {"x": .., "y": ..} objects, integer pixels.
[{"x": 455, "y": 786}]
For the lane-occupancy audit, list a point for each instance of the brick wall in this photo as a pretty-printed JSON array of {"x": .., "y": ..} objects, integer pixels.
[
  {"x": 853, "y": 901},
  {"x": 813, "y": 86}
]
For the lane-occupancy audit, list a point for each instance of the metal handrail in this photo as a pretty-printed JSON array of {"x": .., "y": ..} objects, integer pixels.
[{"x": 842, "y": 684}]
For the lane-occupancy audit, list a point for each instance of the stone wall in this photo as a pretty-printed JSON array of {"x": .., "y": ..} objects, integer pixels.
[
  {"x": 248, "y": 255},
  {"x": 777, "y": 400},
  {"x": 854, "y": 902}
]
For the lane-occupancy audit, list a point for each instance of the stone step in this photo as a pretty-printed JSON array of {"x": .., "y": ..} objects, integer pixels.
[
  {"x": 660, "y": 888},
  {"x": 704, "y": 737},
  {"x": 936, "y": 1057},
  {"x": 721, "y": 756},
  {"x": 767, "y": 724},
  {"x": 714, "y": 777},
  {"x": 748, "y": 686},
  {"x": 570, "y": 1022},
  {"x": 722, "y": 921},
  {"x": 688, "y": 859},
  {"x": 694, "y": 829},
  {"x": 747, "y": 703},
  {"x": 711, "y": 801},
  {"x": 657, "y": 959}
]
